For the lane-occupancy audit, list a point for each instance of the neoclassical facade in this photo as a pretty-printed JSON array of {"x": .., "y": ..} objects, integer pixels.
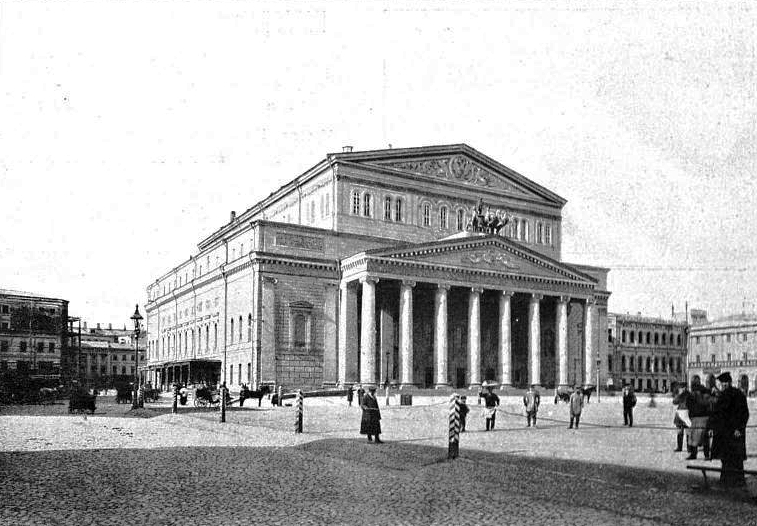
[{"x": 366, "y": 269}]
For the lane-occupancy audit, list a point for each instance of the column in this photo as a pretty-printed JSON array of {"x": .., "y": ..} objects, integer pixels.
[
  {"x": 562, "y": 341},
  {"x": 386, "y": 340},
  {"x": 348, "y": 337},
  {"x": 440, "y": 336},
  {"x": 406, "y": 333},
  {"x": 368, "y": 331},
  {"x": 474, "y": 337},
  {"x": 505, "y": 350},
  {"x": 534, "y": 341},
  {"x": 589, "y": 366}
]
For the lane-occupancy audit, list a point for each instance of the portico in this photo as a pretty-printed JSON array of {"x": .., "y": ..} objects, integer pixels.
[{"x": 464, "y": 310}]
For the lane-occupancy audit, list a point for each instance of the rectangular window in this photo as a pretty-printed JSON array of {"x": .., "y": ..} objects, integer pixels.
[
  {"x": 22, "y": 346},
  {"x": 712, "y": 357},
  {"x": 5, "y": 309},
  {"x": 728, "y": 357},
  {"x": 540, "y": 233},
  {"x": 388, "y": 209},
  {"x": 4, "y": 325},
  {"x": 115, "y": 370},
  {"x": 40, "y": 347},
  {"x": 712, "y": 339},
  {"x": 4, "y": 346},
  {"x": 743, "y": 356},
  {"x": 548, "y": 234},
  {"x": 696, "y": 340},
  {"x": 51, "y": 347}
]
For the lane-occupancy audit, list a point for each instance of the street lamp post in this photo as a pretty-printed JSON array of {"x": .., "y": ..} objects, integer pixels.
[
  {"x": 136, "y": 317},
  {"x": 599, "y": 387}
]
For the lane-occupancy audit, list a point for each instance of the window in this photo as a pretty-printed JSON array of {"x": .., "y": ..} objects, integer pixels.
[
  {"x": 623, "y": 364},
  {"x": 22, "y": 346},
  {"x": 623, "y": 337},
  {"x": 240, "y": 328},
  {"x": 728, "y": 338},
  {"x": 312, "y": 211},
  {"x": 745, "y": 338},
  {"x": 215, "y": 336},
  {"x": 300, "y": 324},
  {"x": 649, "y": 364},
  {"x": 426, "y": 214},
  {"x": 678, "y": 340},
  {"x": 663, "y": 338},
  {"x": 631, "y": 362},
  {"x": 443, "y": 218},
  {"x": 355, "y": 203},
  {"x": 398, "y": 210},
  {"x": 656, "y": 366},
  {"x": 367, "y": 211},
  {"x": 387, "y": 208},
  {"x": 640, "y": 360},
  {"x": 728, "y": 357},
  {"x": 40, "y": 347},
  {"x": 697, "y": 358},
  {"x": 123, "y": 369},
  {"x": 696, "y": 340},
  {"x": 548, "y": 234},
  {"x": 327, "y": 200},
  {"x": 712, "y": 357},
  {"x": 239, "y": 376},
  {"x": 200, "y": 270},
  {"x": 743, "y": 356},
  {"x": 712, "y": 339},
  {"x": 207, "y": 337},
  {"x": 641, "y": 338},
  {"x": 249, "y": 327},
  {"x": 540, "y": 233},
  {"x": 231, "y": 332},
  {"x": 656, "y": 338},
  {"x": 51, "y": 347},
  {"x": 649, "y": 338},
  {"x": 524, "y": 230},
  {"x": 321, "y": 204},
  {"x": 5, "y": 309},
  {"x": 460, "y": 220},
  {"x": 4, "y": 325},
  {"x": 4, "y": 346},
  {"x": 633, "y": 335},
  {"x": 664, "y": 365}
]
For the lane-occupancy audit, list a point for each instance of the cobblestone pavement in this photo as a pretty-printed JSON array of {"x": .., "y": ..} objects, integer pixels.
[{"x": 149, "y": 466}]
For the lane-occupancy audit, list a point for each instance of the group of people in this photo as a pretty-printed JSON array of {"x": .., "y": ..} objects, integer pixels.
[{"x": 714, "y": 418}]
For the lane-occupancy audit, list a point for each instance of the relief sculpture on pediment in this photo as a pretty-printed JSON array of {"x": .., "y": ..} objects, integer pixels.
[{"x": 491, "y": 258}]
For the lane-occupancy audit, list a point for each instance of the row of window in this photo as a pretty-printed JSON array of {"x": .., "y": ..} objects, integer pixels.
[
  {"x": 22, "y": 346},
  {"x": 653, "y": 365},
  {"x": 652, "y": 385},
  {"x": 124, "y": 357},
  {"x": 740, "y": 337},
  {"x": 323, "y": 203},
  {"x": 183, "y": 279},
  {"x": 728, "y": 357},
  {"x": 659, "y": 339},
  {"x": 103, "y": 369},
  {"x": 230, "y": 378}
]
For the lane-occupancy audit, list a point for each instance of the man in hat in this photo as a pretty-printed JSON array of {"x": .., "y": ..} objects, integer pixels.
[
  {"x": 531, "y": 402},
  {"x": 729, "y": 419},
  {"x": 491, "y": 402},
  {"x": 629, "y": 402},
  {"x": 370, "y": 424},
  {"x": 698, "y": 403},
  {"x": 576, "y": 404}
]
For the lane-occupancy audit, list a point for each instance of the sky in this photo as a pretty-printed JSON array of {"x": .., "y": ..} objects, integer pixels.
[{"x": 130, "y": 130}]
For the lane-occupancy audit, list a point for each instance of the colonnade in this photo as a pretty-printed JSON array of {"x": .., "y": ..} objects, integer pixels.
[{"x": 348, "y": 335}]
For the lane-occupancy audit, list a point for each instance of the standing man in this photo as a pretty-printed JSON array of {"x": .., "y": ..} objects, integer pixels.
[
  {"x": 699, "y": 403},
  {"x": 370, "y": 424},
  {"x": 491, "y": 403},
  {"x": 629, "y": 402},
  {"x": 682, "y": 421},
  {"x": 576, "y": 404},
  {"x": 729, "y": 427},
  {"x": 360, "y": 394},
  {"x": 531, "y": 401}
]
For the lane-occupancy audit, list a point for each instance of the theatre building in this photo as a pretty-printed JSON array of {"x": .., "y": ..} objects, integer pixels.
[{"x": 424, "y": 267}]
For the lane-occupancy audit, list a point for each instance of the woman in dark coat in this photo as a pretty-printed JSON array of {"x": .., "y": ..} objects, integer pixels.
[
  {"x": 728, "y": 423},
  {"x": 370, "y": 424}
]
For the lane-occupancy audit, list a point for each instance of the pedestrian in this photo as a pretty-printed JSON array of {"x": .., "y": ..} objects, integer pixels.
[
  {"x": 682, "y": 420},
  {"x": 183, "y": 395},
  {"x": 360, "y": 394},
  {"x": 370, "y": 423},
  {"x": 464, "y": 410},
  {"x": 699, "y": 403},
  {"x": 629, "y": 402},
  {"x": 244, "y": 394},
  {"x": 576, "y": 404},
  {"x": 350, "y": 395},
  {"x": 531, "y": 401},
  {"x": 491, "y": 402},
  {"x": 729, "y": 419}
]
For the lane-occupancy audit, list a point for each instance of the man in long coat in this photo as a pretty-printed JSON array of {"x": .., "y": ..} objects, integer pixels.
[
  {"x": 370, "y": 424},
  {"x": 576, "y": 404},
  {"x": 728, "y": 423}
]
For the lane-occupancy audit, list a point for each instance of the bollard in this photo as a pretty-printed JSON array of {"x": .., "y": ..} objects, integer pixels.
[
  {"x": 298, "y": 413},
  {"x": 386, "y": 393},
  {"x": 223, "y": 403},
  {"x": 281, "y": 392},
  {"x": 174, "y": 407},
  {"x": 454, "y": 427}
]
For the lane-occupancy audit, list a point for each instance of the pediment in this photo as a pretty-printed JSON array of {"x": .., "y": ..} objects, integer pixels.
[
  {"x": 459, "y": 164},
  {"x": 483, "y": 253}
]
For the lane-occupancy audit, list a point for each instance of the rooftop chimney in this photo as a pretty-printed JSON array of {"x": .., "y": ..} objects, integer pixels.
[
  {"x": 346, "y": 149},
  {"x": 233, "y": 216}
]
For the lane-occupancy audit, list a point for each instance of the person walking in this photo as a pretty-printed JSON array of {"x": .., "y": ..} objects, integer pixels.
[
  {"x": 464, "y": 410},
  {"x": 491, "y": 402},
  {"x": 531, "y": 401},
  {"x": 729, "y": 419},
  {"x": 576, "y": 404},
  {"x": 350, "y": 395},
  {"x": 370, "y": 424},
  {"x": 360, "y": 394},
  {"x": 699, "y": 403},
  {"x": 629, "y": 402}
]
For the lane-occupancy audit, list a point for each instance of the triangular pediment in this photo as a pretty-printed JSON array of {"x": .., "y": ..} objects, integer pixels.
[
  {"x": 483, "y": 253},
  {"x": 458, "y": 164}
]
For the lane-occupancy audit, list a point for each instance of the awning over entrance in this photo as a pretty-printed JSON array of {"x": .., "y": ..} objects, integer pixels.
[{"x": 190, "y": 371}]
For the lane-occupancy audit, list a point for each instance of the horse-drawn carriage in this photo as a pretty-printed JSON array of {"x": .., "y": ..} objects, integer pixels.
[
  {"x": 246, "y": 393},
  {"x": 81, "y": 401},
  {"x": 123, "y": 394},
  {"x": 207, "y": 397}
]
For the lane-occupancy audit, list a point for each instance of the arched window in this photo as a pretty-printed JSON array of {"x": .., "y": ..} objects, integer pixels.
[
  {"x": 656, "y": 338},
  {"x": 641, "y": 338},
  {"x": 664, "y": 364},
  {"x": 663, "y": 338},
  {"x": 398, "y": 209},
  {"x": 355, "y": 203},
  {"x": 656, "y": 364},
  {"x": 460, "y": 220},
  {"x": 249, "y": 327},
  {"x": 649, "y": 338},
  {"x": 231, "y": 332},
  {"x": 632, "y": 335},
  {"x": 367, "y": 204},
  {"x": 426, "y": 214},
  {"x": 443, "y": 218},
  {"x": 387, "y": 208},
  {"x": 678, "y": 340},
  {"x": 649, "y": 364}
]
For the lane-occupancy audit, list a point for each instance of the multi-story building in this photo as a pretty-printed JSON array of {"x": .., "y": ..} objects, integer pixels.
[
  {"x": 646, "y": 353},
  {"x": 32, "y": 334},
  {"x": 385, "y": 266},
  {"x": 106, "y": 355},
  {"x": 728, "y": 344}
]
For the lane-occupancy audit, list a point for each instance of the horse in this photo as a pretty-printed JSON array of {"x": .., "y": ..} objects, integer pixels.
[
  {"x": 259, "y": 394},
  {"x": 588, "y": 391},
  {"x": 562, "y": 396},
  {"x": 123, "y": 394},
  {"x": 48, "y": 395}
]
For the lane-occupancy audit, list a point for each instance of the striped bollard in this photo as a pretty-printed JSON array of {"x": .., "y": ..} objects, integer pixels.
[
  {"x": 223, "y": 403},
  {"x": 298, "y": 413},
  {"x": 281, "y": 392},
  {"x": 454, "y": 427},
  {"x": 175, "y": 406}
]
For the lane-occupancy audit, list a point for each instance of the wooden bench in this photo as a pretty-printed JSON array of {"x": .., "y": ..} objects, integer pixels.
[{"x": 705, "y": 469}]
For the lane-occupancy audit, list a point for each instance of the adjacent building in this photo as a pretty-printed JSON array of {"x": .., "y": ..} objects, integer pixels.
[
  {"x": 32, "y": 335},
  {"x": 423, "y": 267},
  {"x": 728, "y": 344},
  {"x": 106, "y": 356},
  {"x": 646, "y": 353}
]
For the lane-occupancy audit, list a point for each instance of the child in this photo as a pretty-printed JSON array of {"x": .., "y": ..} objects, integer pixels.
[{"x": 463, "y": 412}]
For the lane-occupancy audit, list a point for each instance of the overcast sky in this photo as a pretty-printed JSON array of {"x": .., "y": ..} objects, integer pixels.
[{"x": 129, "y": 130}]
